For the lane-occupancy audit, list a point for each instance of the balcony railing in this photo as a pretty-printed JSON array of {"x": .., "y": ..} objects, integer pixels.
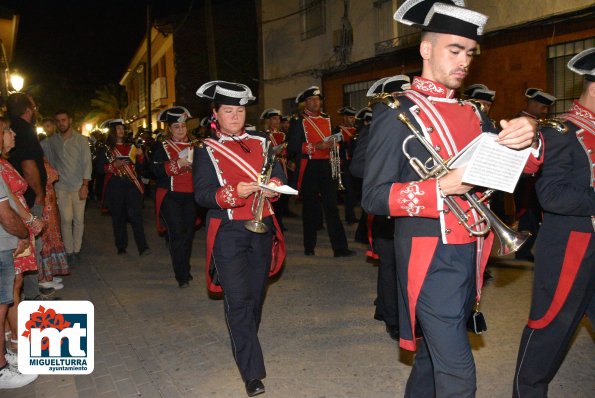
[{"x": 396, "y": 43}]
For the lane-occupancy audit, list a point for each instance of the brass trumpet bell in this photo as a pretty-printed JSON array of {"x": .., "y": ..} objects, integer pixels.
[{"x": 256, "y": 226}]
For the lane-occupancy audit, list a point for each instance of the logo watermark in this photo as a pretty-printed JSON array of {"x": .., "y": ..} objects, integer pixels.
[{"x": 56, "y": 337}]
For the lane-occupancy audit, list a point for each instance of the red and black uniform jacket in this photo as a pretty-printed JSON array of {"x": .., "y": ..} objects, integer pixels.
[
  {"x": 103, "y": 166},
  {"x": 304, "y": 132},
  {"x": 218, "y": 168},
  {"x": 566, "y": 192},
  {"x": 278, "y": 138},
  {"x": 391, "y": 186},
  {"x": 169, "y": 177}
]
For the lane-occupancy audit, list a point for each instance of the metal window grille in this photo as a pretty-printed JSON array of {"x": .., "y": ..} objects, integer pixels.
[
  {"x": 565, "y": 85},
  {"x": 313, "y": 18},
  {"x": 354, "y": 94}
]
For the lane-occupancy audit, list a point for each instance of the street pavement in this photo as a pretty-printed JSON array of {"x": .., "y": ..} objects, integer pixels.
[{"x": 318, "y": 335}]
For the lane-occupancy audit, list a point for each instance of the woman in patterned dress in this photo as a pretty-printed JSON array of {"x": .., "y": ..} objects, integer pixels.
[
  {"x": 25, "y": 261},
  {"x": 53, "y": 253}
]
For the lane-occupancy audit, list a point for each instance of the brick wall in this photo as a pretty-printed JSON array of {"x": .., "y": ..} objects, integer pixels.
[{"x": 509, "y": 63}]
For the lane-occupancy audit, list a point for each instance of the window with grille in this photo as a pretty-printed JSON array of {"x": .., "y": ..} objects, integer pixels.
[
  {"x": 354, "y": 94},
  {"x": 313, "y": 18},
  {"x": 289, "y": 107},
  {"x": 564, "y": 84}
]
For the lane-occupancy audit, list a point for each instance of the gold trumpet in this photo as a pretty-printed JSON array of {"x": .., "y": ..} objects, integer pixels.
[
  {"x": 510, "y": 240},
  {"x": 256, "y": 224},
  {"x": 335, "y": 161}
]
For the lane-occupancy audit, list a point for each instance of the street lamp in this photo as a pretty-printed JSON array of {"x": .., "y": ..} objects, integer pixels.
[{"x": 16, "y": 81}]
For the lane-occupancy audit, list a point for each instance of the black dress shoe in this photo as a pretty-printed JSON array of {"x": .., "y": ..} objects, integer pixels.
[
  {"x": 393, "y": 332},
  {"x": 309, "y": 252},
  {"x": 254, "y": 387},
  {"x": 121, "y": 251},
  {"x": 345, "y": 253},
  {"x": 190, "y": 278}
]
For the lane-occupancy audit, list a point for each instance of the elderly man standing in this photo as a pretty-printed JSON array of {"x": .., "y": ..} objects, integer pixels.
[{"x": 69, "y": 153}]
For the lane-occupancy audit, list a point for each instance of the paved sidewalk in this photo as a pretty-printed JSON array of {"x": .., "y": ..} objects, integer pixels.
[{"x": 319, "y": 339}]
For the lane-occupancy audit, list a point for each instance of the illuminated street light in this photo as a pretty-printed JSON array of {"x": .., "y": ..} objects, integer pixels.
[
  {"x": 40, "y": 130},
  {"x": 16, "y": 81},
  {"x": 88, "y": 126}
]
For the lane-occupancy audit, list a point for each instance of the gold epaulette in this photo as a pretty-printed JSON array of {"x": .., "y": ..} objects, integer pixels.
[
  {"x": 476, "y": 104},
  {"x": 384, "y": 98},
  {"x": 554, "y": 123}
]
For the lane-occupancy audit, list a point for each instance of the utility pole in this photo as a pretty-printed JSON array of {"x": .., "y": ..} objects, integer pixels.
[
  {"x": 211, "y": 52},
  {"x": 148, "y": 70}
]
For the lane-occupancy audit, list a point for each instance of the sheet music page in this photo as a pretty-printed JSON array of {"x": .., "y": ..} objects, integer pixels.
[
  {"x": 336, "y": 137},
  {"x": 284, "y": 189},
  {"x": 491, "y": 165}
]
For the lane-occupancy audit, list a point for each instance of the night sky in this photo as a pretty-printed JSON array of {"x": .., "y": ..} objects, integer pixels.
[{"x": 66, "y": 49}]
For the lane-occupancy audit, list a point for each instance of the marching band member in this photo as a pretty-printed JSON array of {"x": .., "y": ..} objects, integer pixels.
[
  {"x": 439, "y": 266},
  {"x": 564, "y": 277},
  {"x": 171, "y": 163},
  {"x": 348, "y": 133},
  {"x": 122, "y": 188},
  {"x": 273, "y": 118},
  {"x": 238, "y": 260},
  {"x": 382, "y": 227},
  {"x": 528, "y": 210},
  {"x": 307, "y": 145}
]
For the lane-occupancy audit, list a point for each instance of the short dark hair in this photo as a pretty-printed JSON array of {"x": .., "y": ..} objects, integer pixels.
[
  {"x": 17, "y": 104},
  {"x": 63, "y": 112},
  {"x": 48, "y": 119}
]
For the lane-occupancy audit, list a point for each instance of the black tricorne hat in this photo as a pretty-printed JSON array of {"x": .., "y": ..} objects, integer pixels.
[
  {"x": 480, "y": 92},
  {"x": 376, "y": 87},
  {"x": 364, "y": 114},
  {"x": 347, "y": 111},
  {"x": 442, "y": 16},
  {"x": 205, "y": 121},
  {"x": 112, "y": 123},
  {"x": 584, "y": 64},
  {"x": 175, "y": 114},
  {"x": 396, "y": 83},
  {"x": 226, "y": 93},
  {"x": 311, "y": 91},
  {"x": 537, "y": 94},
  {"x": 269, "y": 113}
]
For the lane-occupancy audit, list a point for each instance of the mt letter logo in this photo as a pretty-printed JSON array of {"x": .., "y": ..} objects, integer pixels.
[{"x": 56, "y": 337}]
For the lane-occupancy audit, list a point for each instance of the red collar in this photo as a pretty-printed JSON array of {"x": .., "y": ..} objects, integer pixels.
[
  {"x": 579, "y": 110},
  {"x": 431, "y": 88}
]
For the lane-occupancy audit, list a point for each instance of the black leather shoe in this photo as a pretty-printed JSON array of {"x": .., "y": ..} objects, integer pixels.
[
  {"x": 190, "y": 278},
  {"x": 393, "y": 332},
  {"x": 309, "y": 252},
  {"x": 121, "y": 251},
  {"x": 345, "y": 253},
  {"x": 254, "y": 387}
]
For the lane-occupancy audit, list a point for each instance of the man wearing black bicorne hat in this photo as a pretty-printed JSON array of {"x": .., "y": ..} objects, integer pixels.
[
  {"x": 309, "y": 145},
  {"x": 564, "y": 276},
  {"x": 348, "y": 132},
  {"x": 528, "y": 211},
  {"x": 439, "y": 266}
]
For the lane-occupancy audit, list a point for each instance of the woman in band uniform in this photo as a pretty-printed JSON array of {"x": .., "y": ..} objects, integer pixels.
[
  {"x": 122, "y": 189},
  {"x": 171, "y": 163},
  {"x": 225, "y": 175}
]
